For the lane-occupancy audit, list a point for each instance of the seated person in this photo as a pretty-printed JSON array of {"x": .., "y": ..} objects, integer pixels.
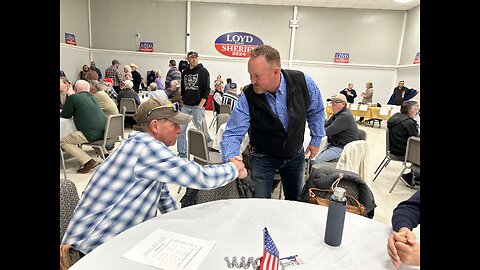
[
  {"x": 401, "y": 246},
  {"x": 401, "y": 126},
  {"x": 176, "y": 93},
  {"x": 217, "y": 96},
  {"x": 127, "y": 92},
  {"x": 89, "y": 120},
  {"x": 230, "y": 97},
  {"x": 130, "y": 185},
  {"x": 340, "y": 129},
  {"x": 157, "y": 93}
]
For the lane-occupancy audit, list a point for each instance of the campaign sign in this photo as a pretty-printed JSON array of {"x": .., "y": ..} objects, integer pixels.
[
  {"x": 146, "y": 46},
  {"x": 417, "y": 58},
  {"x": 237, "y": 44},
  {"x": 70, "y": 39},
  {"x": 341, "y": 57}
]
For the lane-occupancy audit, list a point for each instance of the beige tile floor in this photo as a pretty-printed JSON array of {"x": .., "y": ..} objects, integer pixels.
[{"x": 385, "y": 201}]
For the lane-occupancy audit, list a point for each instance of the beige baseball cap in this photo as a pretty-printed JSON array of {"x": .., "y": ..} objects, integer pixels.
[
  {"x": 161, "y": 109},
  {"x": 338, "y": 98}
]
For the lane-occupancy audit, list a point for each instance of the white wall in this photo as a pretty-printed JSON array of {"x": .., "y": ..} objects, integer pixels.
[
  {"x": 411, "y": 37},
  {"x": 330, "y": 79},
  {"x": 72, "y": 58}
]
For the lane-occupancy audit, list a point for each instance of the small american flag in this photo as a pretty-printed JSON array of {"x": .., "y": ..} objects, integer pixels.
[{"x": 270, "y": 259}]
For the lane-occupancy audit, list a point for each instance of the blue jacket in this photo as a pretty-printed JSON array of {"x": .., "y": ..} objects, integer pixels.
[
  {"x": 407, "y": 213},
  {"x": 410, "y": 94}
]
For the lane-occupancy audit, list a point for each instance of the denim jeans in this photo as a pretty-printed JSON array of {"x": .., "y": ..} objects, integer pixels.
[
  {"x": 330, "y": 153},
  {"x": 292, "y": 172},
  {"x": 198, "y": 115}
]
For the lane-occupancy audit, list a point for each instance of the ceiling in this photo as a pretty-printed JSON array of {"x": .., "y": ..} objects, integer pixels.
[{"x": 364, "y": 4}]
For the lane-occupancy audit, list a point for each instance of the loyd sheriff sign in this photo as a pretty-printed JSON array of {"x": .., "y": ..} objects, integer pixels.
[
  {"x": 237, "y": 44},
  {"x": 341, "y": 57}
]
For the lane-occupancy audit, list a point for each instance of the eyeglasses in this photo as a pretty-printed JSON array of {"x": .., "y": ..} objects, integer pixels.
[{"x": 175, "y": 107}]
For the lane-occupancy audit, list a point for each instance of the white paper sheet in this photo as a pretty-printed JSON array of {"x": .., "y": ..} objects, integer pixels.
[
  {"x": 363, "y": 107},
  {"x": 395, "y": 109},
  {"x": 170, "y": 251},
  {"x": 384, "y": 111}
]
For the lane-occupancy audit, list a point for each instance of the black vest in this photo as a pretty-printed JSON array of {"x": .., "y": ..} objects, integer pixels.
[{"x": 266, "y": 132}]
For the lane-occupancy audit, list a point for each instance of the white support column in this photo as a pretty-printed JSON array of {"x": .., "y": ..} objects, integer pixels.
[
  {"x": 400, "y": 48},
  {"x": 89, "y": 32},
  {"x": 293, "y": 25},
  {"x": 189, "y": 12}
]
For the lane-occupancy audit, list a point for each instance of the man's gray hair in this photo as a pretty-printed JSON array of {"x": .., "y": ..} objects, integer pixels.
[
  {"x": 407, "y": 105},
  {"x": 153, "y": 86},
  {"x": 175, "y": 82},
  {"x": 82, "y": 86}
]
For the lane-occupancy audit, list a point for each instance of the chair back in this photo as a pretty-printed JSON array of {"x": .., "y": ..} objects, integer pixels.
[
  {"x": 362, "y": 135},
  {"x": 221, "y": 119},
  {"x": 114, "y": 129},
  {"x": 197, "y": 146},
  {"x": 225, "y": 109},
  {"x": 204, "y": 127},
  {"x": 68, "y": 201},
  {"x": 130, "y": 106},
  {"x": 353, "y": 183},
  {"x": 123, "y": 110},
  {"x": 354, "y": 158},
  {"x": 114, "y": 132},
  {"x": 412, "y": 153},
  {"x": 387, "y": 147},
  {"x": 387, "y": 140}
]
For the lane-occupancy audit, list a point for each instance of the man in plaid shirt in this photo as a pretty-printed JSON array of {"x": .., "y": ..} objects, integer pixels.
[
  {"x": 129, "y": 186},
  {"x": 111, "y": 93}
]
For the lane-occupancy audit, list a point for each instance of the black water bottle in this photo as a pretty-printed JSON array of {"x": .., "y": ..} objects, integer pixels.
[{"x": 335, "y": 217}]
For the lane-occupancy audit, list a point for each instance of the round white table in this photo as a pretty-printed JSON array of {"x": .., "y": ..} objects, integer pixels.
[
  {"x": 67, "y": 126},
  {"x": 236, "y": 226}
]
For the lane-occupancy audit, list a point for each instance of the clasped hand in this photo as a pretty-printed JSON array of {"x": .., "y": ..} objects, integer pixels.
[
  {"x": 237, "y": 161},
  {"x": 402, "y": 248}
]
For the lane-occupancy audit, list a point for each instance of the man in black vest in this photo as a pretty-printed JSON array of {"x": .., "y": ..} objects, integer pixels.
[{"x": 274, "y": 110}]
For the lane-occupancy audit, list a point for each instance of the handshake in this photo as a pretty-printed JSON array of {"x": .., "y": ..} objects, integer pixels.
[{"x": 242, "y": 171}]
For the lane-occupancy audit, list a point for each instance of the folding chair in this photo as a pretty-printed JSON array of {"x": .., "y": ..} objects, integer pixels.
[
  {"x": 114, "y": 129},
  {"x": 130, "y": 106},
  {"x": 68, "y": 201},
  {"x": 63, "y": 164},
  {"x": 204, "y": 129},
  {"x": 412, "y": 159},
  {"x": 197, "y": 147},
  {"x": 221, "y": 119},
  {"x": 225, "y": 108},
  {"x": 388, "y": 156},
  {"x": 362, "y": 135}
]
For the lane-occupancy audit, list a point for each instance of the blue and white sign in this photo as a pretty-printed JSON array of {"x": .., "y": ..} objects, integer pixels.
[
  {"x": 341, "y": 57},
  {"x": 237, "y": 44}
]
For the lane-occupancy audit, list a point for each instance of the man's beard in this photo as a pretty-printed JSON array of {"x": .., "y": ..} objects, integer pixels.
[{"x": 258, "y": 90}]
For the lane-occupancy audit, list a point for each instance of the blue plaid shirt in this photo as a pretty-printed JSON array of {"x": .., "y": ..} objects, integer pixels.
[
  {"x": 111, "y": 93},
  {"x": 129, "y": 186},
  {"x": 239, "y": 121}
]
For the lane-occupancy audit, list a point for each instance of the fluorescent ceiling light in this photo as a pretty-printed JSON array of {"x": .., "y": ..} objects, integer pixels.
[{"x": 402, "y": 1}]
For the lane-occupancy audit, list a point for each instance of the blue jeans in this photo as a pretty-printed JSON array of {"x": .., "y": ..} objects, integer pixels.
[
  {"x": 198, "y": 116},
  {"x": 330, "y": 153},
  {"x": 292, "y": 171}
]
